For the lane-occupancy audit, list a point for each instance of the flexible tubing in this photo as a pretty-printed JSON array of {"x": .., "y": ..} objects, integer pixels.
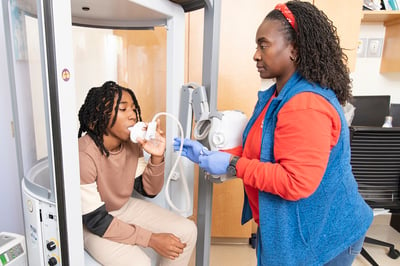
[
  {"x": 184, "y": 181},
  {"x": 197, "y": 133}
]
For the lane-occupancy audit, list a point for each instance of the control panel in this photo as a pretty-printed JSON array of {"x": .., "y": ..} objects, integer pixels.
[
  {"x": 51, "y": 244},
  {"x": 12, "y": 250},
  {"x": 41, "y": 228}
]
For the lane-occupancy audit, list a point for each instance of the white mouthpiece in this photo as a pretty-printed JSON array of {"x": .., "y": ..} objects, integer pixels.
[{"x": 137, "y": 131}]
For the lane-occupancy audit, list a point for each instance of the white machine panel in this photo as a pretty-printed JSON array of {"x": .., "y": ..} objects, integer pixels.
[
  {"x": 41, "y": 230},
  {"x": 12, "y": 250}
]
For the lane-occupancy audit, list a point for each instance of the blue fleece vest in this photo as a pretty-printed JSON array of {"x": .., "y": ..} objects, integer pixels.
[{"x": 314, "y": 230}]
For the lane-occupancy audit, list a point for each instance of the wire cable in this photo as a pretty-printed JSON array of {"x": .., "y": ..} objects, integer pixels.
[{"x": 172, "y": 172}]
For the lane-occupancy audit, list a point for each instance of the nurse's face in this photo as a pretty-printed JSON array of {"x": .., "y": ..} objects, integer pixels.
[{"x": 273, "y": 54}]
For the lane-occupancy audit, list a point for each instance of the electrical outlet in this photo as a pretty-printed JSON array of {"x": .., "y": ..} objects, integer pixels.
[
  {"x": 362, "y": 47},
  {"x": 374, "y": 47}
]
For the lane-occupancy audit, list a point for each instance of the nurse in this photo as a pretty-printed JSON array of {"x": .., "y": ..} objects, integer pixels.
[{"x": 295, "y": 156}]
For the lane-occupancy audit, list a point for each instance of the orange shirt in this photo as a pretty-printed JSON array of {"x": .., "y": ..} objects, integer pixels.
[{"x": 307, "y": 128}]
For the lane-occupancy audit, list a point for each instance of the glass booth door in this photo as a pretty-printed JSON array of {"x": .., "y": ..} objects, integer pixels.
[
  {"x": 43, "y": 100},
  {"x": 58, "y": 50}
]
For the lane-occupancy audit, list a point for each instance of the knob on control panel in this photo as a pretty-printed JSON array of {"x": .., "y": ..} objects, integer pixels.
[
  {"x": 51, "y": 245},
  {"x": 52, "y": 261}
]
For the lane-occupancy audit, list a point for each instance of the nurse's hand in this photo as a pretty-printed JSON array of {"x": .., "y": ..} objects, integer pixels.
[
  {"x": 191, "y": 148},
  {"x": 214, "y": 162}
]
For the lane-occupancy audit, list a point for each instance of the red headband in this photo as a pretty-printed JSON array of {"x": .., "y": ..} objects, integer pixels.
[{"x": 287, "y": 14}]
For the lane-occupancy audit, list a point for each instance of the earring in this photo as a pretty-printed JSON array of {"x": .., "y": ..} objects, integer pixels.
[{"x": 292, "y": 58}]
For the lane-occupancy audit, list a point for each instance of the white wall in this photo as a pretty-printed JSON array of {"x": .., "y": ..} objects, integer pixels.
[
  {"x": 95, "y": 59},
  {"x": 366, "y": 78}
]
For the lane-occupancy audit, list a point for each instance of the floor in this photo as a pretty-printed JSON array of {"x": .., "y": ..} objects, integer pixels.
[
  {"x": 244, "y": 255},
  {"x": 380, "y": 229}
]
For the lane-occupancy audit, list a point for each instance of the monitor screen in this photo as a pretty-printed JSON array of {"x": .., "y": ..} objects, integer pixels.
[{"x": 370, "y": 110}]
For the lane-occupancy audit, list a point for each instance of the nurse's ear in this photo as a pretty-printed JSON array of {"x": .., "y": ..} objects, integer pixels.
[{"x": 293, "y": 54}]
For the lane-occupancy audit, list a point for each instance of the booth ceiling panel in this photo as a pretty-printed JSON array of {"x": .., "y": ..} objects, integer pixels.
[{"x": 115, "y": 13}]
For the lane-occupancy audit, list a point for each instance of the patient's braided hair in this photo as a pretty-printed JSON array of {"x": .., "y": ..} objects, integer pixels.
[
  {"x": 320, "y": 57},
  {"x": 95, "y": 113}
]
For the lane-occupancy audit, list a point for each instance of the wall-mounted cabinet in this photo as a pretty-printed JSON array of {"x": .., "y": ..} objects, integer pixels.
[{"x": 391, "y": 47}]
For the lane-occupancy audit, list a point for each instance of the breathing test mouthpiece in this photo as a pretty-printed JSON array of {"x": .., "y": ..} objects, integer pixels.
[{"x": 139, "y": 131}]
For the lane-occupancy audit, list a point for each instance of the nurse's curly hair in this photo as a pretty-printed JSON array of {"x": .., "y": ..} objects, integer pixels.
[
  {"x": 320, "y": 58},
  {"x": 95, "y": 113}
]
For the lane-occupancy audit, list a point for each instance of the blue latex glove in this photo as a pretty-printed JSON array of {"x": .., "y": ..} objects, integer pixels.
[
  {"x": 214, "y": 162},
  {"x": 191, "y": 149}
]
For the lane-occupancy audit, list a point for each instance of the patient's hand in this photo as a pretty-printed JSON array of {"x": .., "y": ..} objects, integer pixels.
[{"x": 167, "y": 245}]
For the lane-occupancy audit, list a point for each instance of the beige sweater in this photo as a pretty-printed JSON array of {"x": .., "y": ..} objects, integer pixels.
[{"x": 110, "y": 180}]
